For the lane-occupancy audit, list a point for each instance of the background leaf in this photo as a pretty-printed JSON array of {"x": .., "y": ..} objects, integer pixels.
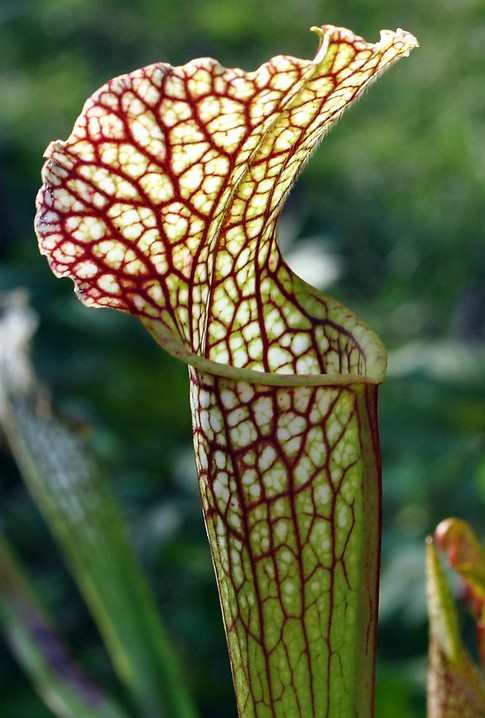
[
  {"x": 59, "y": 680},
  {"x": 79, "y": 506},
  {"x": 456, "y": 689}
]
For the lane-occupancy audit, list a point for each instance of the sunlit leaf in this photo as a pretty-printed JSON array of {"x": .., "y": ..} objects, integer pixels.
[{"x": 164, "y": 202}]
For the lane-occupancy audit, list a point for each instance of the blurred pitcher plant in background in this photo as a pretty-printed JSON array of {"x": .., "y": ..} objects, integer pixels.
[
  {"x": 164, "y": 203},
  {"x": 456, "y": 686}
]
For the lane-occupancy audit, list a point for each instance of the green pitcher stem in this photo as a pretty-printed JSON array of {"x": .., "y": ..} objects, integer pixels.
[{"x": 290, "y": 484}]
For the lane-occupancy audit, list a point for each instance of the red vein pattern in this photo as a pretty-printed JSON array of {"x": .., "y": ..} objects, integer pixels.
[
  {"x": 163, "y": 202},
  {"x": 290, "y": 486}
]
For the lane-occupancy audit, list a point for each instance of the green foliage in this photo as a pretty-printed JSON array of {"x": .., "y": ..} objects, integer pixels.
[
  {"x": 57, "y": 678},
  {"x": 76, "y": 500},
  {"x": 396, "y": 197}
]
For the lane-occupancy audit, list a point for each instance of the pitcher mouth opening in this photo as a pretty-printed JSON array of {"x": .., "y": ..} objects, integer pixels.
[
  {"x": 376, "y": 358},
  {"x": 369, "y": 368}
]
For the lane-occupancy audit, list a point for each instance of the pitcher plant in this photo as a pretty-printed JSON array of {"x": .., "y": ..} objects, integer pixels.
[
  {"x": 456, "y": 685},
  {"x": 164, "y": 202}
]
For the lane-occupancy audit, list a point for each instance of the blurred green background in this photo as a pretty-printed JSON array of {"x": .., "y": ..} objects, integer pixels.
[{"x": 391, "y": 206}]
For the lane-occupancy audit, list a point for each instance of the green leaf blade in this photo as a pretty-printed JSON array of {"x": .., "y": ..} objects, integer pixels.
[
  {"x": 79, "y": 505},
  {"x": 58, "y": 679},
  {"x": 80, "y": 508}
]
